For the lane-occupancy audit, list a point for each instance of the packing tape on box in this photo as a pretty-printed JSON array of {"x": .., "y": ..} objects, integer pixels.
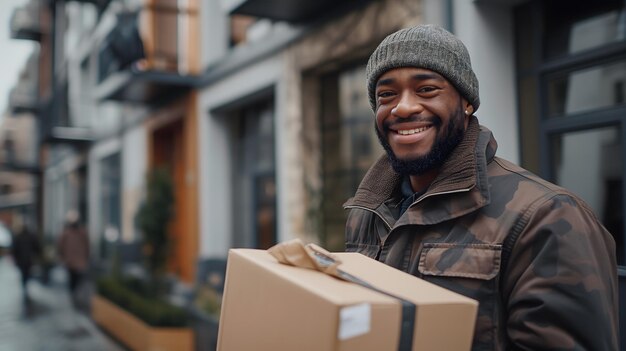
[{"x": 311, "y": 256}]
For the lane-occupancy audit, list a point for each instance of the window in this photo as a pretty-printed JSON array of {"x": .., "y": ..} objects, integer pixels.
[
  {"x": 254, "y": 186},
  {"x": 571, "y": 61},
  {"x": 6, "y": 189},
  {"x": 110, "y": 203},
  {"x": 569, "y": 92},
  {"x": 573, "y": 27},
  {"x": 239, "y": 25},
  {"x": 349, "y": 147},
  {"x": 9, "y": 148}
]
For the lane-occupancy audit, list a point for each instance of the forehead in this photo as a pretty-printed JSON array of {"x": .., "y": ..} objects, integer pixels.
[{"x": 412, "y": 73}]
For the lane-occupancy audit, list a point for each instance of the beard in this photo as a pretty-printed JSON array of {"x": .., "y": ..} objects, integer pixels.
[{"x": 443, "y": 146}]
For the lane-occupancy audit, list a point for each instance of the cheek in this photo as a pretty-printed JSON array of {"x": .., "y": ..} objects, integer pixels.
[
  {"x": 381, "y": 115},
  {"x": 379, "y": 121}
]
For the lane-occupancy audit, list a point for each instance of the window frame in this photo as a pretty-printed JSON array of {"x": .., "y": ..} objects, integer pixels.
[
  {"x": 329, "y": 99},
  {"x": 541, "y": 70}
]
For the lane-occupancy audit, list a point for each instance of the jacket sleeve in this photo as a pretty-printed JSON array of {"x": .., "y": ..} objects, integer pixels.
[
  {"x": 560, "y": 286},
  {"x": 361, "y": 233},
  {"x": 37, "y": 247},
  {"x": 61, "y": 246}
]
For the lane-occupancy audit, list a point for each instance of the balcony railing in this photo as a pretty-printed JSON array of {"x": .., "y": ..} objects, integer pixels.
[
  {"x": 18, "y": 151},
  {"x": 292, "y": 11},
  {"x": 23, "y": 99},
  {"x": 164, "y": 43},
  {"x": 55, "y": 126},
  {"x": 20, "y": 199},
  {"x": 149, "y": 55},
  {"x": 101, "y": 5},
  {"x": 26, "y": 22},
  {"x": 15, "y": 166}
]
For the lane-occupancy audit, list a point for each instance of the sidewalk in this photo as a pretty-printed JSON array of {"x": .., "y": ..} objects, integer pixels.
[{"x": 50, "y": 323}]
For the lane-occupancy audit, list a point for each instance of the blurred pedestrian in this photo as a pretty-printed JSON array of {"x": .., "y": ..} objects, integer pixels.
[
  {"x": 25, "y": 251},
  {"x": 73, "y": 248}
]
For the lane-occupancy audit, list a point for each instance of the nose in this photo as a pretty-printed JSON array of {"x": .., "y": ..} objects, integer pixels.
[{"x": 408, "y": 105}]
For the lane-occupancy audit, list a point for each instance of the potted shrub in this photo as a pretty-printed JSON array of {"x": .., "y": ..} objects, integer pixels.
[
  {"x": 205, "y": 310},
  {"x": 152, "y": 220},
  {"x": 136, "y": 311}
]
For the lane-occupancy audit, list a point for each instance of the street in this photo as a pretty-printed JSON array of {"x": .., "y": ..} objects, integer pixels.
[{"x": 50, "y": 322}]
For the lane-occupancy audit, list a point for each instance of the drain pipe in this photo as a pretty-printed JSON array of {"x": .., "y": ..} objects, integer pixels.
[{"x": 449, "y": 18}]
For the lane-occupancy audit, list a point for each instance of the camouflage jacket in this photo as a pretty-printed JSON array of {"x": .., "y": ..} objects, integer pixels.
[{"x": 540, "y": 264}]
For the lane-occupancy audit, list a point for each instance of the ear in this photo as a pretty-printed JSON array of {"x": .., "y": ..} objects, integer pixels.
[{"x": 469, "y": 109}]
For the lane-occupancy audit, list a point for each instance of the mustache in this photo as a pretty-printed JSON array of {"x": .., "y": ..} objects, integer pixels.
[{"x": 434, "y": 120}]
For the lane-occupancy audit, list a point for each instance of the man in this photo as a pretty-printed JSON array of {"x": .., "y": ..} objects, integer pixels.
[
  {"x": 73, "y": 248},
  {"x": 25, "y": 250},
  {"x": 444, "y": 208}
]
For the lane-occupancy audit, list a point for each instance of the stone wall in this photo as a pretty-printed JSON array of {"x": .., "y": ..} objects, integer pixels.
[{"x": 340, "y": 42}]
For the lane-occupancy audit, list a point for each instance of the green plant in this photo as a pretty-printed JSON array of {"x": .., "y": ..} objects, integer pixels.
[
  {"x": 208, "y": 300},
  {"x": 144, "y": 299},
  {"x": 153, "y": 220},
  {"x": 133, "y": 296}
]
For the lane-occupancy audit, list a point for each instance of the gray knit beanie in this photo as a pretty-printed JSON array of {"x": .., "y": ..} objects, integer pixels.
[{"x": 424, "y": 46}]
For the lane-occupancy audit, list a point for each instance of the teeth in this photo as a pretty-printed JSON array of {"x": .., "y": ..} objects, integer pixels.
[{"x": 412, "y": 131}]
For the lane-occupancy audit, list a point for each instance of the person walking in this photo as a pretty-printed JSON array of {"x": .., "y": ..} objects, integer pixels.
[
  {"x": 73, "y": 249},
  {"x": 442, "y": 206},
  {"x": 25, "y": 250}
]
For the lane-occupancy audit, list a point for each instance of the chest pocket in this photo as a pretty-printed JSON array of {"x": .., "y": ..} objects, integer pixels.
[
  {"x": 470, "y": 270},
  {"x": 477, "y": 261},
  {"x": 368, "y": 250}
]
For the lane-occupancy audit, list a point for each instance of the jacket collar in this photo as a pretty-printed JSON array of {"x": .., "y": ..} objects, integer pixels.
[{"x": 465, "y": 172}]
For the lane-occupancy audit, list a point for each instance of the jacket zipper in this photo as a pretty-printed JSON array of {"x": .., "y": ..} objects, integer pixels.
[
  {"x": 417, "y": 201},
  {"x": 374, "y": 212},
  {"x": 381, "y": 243},
  {"x": 442, "y": 193}
]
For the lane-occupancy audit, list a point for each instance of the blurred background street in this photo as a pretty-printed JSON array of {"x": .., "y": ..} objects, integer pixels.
[{"x": 49, "y": 322}]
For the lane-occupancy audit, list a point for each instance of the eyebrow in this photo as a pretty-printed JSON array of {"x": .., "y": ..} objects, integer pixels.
[
  {"x": 417, "y": 77},
  {"x": 385, "y": 82},
  {"x": 427, "y": 76}
]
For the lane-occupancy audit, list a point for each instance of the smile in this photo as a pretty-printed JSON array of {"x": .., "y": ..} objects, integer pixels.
[{"x": 412, "y": 131}]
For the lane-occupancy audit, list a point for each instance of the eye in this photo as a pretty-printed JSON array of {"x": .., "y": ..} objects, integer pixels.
[
  {"x": 385, "y": 94},
  {"x": 429, "y": 89}
]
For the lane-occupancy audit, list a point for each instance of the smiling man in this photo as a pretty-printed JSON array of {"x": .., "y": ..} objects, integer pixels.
[{"x": 442, "y": 206}]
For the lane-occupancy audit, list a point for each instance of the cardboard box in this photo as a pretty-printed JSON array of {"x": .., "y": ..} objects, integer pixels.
[{"x": 272, "y": 306}]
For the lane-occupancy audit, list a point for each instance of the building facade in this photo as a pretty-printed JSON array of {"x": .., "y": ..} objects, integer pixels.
[
  {"x": 259, "y": 110},
  {"x": 305, "y": 72}
]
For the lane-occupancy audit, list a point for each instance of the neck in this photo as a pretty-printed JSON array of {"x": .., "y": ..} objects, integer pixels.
[{"x": 422, "y": 181}]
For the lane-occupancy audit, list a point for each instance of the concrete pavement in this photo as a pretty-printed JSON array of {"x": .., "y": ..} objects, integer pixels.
[{"x": 50, "y": 322}]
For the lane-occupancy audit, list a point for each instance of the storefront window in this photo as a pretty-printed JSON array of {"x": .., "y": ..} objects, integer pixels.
[
  {"x": 587, "y": 89},
  {"x": 590, "y": 163},
  {"x": 110, "y": 202},
  {"x": 349, "y": 147},
  {"x": 572, "y": 100},
  {"x": 572, "y": 27},
  {"x": 254, "y": 187}
]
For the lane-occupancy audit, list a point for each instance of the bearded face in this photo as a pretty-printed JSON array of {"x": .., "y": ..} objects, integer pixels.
[
  {"x": 446, "y": 139},
  {"x": 420, "y": 118}
]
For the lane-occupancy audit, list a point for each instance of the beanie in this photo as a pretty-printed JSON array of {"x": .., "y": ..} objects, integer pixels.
[{"x": 424, "y": 46}]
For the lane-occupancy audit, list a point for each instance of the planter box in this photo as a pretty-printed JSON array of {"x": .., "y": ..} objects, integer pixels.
[
  {"x": 134, "y": 333},
  {"x": 205, "y": 329}
]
